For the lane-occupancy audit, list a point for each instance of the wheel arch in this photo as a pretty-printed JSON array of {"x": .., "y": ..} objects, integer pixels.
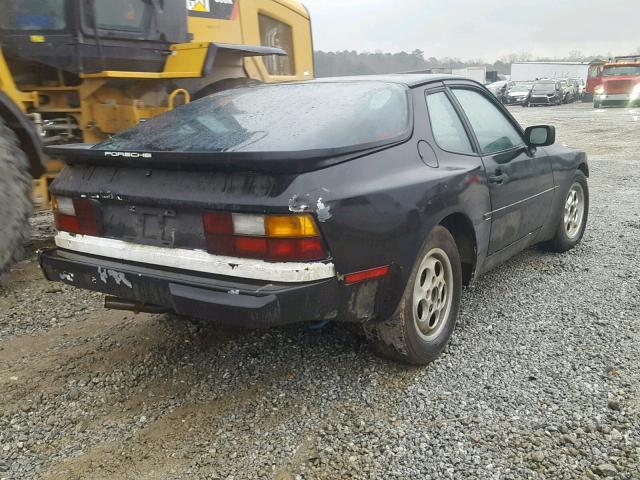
[
  {"x": 461, "y": 228},
  {"x": 584, "y": 168},
  {"x": 30, "y": 144}
]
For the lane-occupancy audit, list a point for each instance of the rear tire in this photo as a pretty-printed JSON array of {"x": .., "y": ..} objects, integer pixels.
[
  {"x": 574, "y": 216},
  {"x": 15, "y": 199},
  {"x": 426, "y": 317}
]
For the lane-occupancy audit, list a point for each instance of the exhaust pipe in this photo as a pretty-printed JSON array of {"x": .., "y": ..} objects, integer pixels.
[{"x": 114, "y": 303}]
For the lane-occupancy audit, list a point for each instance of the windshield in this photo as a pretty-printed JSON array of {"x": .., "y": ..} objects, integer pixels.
[
  {"x": 277, "y": 118},
  {"x": 33, "y": 15},
  {"x": 621, "y": 70},
  {"x": 544, "y": 87}
]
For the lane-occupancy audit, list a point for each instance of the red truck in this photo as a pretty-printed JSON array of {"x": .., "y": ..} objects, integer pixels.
[
  {"x": 594, "y": 79},
  {"x": 620, "y": 85}
]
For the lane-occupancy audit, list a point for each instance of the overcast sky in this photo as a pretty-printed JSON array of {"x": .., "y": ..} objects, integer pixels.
[{"x": 471, "y": 29}]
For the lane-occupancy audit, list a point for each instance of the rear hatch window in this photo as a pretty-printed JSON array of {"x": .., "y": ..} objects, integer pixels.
[{"x": 278, "y": 118}]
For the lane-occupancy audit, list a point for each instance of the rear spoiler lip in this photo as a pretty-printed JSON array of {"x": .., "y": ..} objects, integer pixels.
[{"x": 292, "y": 162}]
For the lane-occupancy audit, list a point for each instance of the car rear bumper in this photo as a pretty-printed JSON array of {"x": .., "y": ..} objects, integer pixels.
[{"x": 230, "y": 301}]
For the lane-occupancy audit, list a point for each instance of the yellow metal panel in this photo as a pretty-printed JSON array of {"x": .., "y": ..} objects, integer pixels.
[
  {"x": 9, "y": 88},
  {"x": 212, "y": 30},
  {"x": 143, "y": 75},
  {"x": 187, "y": 58},
  {"x": 301, "y": 30},
  {"x": 295, "y": 6},
  {"x": 114, "y": 118}
]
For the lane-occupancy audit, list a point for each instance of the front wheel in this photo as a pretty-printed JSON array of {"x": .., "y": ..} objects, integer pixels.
[
  {"x": 426, "y": 317},
  {"x": 573, "y": 218}
]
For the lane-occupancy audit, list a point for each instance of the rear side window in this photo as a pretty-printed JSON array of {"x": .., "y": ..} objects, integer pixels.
[
  {"x": 278, "y": 118},
  {"x": 274, "y": 33},
  {"x": 493, "y": 129},
  {"x": 447, "y": 127}
]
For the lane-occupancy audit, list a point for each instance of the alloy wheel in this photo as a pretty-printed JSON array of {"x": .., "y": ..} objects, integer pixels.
[
  {"x": 433, "y": 294},
  {"x": 574, "y": 211}
]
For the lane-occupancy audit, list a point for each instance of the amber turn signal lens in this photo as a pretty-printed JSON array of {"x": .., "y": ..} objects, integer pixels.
[{"x": 291, "y": 226}]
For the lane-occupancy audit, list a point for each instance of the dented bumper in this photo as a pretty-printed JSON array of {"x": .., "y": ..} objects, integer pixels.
[{"x": 230, "y": 301}]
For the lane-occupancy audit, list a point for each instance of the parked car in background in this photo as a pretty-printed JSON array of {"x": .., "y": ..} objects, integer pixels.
[
  {"x": 519, "y": 93},
  {"x": 620, "y": 84},
  {"x": 568, "y": 91},
  {"x": 580, "y": 87},
  {"x": 373, "y": 204},
  {"x": 500, "y": 89},
  {"x": 546, "y": 92}
]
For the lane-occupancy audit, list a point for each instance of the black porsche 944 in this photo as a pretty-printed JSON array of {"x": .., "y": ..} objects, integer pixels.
[{"x": 369, "y": 200}]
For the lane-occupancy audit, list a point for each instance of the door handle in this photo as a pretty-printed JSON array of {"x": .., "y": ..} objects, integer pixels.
[{"x": 499, "y": 178}]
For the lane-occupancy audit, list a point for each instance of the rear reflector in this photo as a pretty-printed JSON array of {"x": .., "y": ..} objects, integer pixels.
[
  {"x": 75, "y": 215},
  {"x": 293, "y": 238},
  {"x": 365, "y": 275}
]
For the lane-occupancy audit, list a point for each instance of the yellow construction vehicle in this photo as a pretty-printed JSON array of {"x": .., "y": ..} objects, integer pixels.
[{"x": 81, "y": 70}]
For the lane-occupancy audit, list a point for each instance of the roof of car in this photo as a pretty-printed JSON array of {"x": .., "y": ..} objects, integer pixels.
[{"x": 411, "y": 80}]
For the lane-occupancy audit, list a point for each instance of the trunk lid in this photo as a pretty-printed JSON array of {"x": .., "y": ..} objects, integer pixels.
[{"x": 162, "y": 207}]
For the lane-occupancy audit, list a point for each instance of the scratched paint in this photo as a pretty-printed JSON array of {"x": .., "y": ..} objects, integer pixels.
[
  {"x": 118, "y": 277},
  {"x": 66, "y": 276}
]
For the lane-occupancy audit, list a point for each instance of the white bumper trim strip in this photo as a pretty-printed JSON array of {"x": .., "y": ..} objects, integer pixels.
[{"x": 196, "y": 260}]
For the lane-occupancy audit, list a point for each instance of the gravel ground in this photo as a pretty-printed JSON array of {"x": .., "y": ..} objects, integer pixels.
[{"x": 540, "y": 381}]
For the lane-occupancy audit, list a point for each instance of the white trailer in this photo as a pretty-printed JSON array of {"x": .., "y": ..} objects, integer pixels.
[
  {"x": 526, "y": 71},
  {"x": 479, "y": 74}
]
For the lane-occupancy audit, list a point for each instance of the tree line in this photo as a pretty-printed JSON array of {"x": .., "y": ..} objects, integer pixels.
[{"x": 350, "y": 62}]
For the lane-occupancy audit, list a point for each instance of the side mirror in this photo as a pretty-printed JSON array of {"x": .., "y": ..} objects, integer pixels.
[{"x": 540, "y": 136}]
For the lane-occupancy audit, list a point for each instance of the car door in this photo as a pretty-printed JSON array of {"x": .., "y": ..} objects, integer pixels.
[{"x": 520, "y": 178}]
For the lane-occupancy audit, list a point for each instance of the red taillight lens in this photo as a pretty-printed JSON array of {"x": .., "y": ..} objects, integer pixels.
[
  {"x": 254, "y": 247},
  {"x": 296, "y": 249},
  {"x": 67, "y": 223},
  {"x": 218, "y": 223},
  {"x": 264, "y": 237},
  {"x": 81, "y": 219},
  {"x": 218, "y": 229}
]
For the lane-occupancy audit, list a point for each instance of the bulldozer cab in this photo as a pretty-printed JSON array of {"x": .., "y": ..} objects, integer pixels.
[{"x": 88, "y": 36}]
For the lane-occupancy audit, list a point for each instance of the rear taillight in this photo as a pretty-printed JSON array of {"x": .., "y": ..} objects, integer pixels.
[
  {"x": 269, "y": 237},
  {"x": 75, "y": 215}
]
